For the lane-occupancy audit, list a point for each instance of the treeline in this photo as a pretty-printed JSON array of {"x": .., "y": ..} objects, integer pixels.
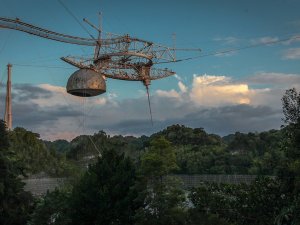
[
  {"x": 127, "y": 179},
  {"x": 196, "y": 151}
]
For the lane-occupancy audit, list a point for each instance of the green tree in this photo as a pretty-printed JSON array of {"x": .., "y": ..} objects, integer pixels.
[
  {"x": 164, "y": 202},
  {"x": 291, "y": 106},
  {"x": 181, "y": 135},
  {"x": 106, "y": 193},
  {"x": 35, "y": 156},
  {"x": 15, "y": 203},
  {"x": 257, "y": 203},
  {"x": 160, "y": 160},
  {"x": 290, "y": 171},
  {"x": 53, "y": 208},
  {"x": 290, "y": 168},
  {"x": 4, "y": 142}
]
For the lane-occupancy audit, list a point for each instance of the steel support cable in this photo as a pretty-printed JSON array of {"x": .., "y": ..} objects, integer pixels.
[
  {"x": 149, "y": 104},
  {"x": 83, "y": 27},
  {"x": 84, "y": 122},
  {"x": 95, "y": 145},
  {"x": 5, "y": 42},
  {"x": 233, "y": 50},
  {"x": 74, "y": 17},
  {"x": 1, "y": 81}
]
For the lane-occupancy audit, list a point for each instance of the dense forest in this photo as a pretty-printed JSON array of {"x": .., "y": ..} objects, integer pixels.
[
  {"x": 196, "y": 151},
  {"x": 122, "y": 180}
]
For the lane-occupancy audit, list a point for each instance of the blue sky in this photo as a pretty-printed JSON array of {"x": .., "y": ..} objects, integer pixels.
[{"x": 254, "y": 77}]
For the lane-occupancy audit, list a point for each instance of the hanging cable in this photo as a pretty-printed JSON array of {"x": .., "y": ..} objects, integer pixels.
[
  {"x": 234, "y": 49},
  {"x": 149, "y": 104},
  {"x": 77, "y": 20},
  {"x": 5, "y": 42},
  {"x": 2, "y": 78},
  {"x": 95, "y": 145}
]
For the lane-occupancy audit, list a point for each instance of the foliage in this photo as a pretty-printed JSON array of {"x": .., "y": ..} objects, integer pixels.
[
  {"x": 159, "y": 160},
  {"x": 181, "y": 135},
  {"x": 164, "y": 202},
  {"x": 87, "y": 147},
  {"x": 290, "y": 168},
  {"x": 60, "y": 146},
  {"x": 53, "y": 208},
  {"x": 290, "y": 215},
  {"x": 15, "y": 203},
  {"x": 196, "y": 151},
  {"x": 4, "y": 143},
  {"x": 291, "y": 106},
  {"x": 33, "y": 153},
  {"x": 258, "y": 203},
  {"x": 291, "y": 110},
  {"x": 106, "y": 193},
  {"x": 198, "y": 217}
]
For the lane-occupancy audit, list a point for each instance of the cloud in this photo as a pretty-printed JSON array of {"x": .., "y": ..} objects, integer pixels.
[
  {"x": 49, "y": 110},
  {"x": 182, "y": 87},
  {"x": 59, "y": 96},
  {"x": 227, "y": 40},
  {"x": 227, "y": 52},
  {"x": 220, "y": 120},
  {"x": 275, "y": 79},
  {"x": 293, "y": 39},
  {"x": 25, "y": 92},
  {"x": 210, "y": 90},
  {"x": 217, "y": 103},
  {"x": 229, "y": 119},
  {"x": 291, "y": 53},
  {"x": 170, "y": 94},
  {"x": 264, "y": 40}
]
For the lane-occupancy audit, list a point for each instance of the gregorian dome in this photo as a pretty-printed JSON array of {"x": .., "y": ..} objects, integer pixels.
[{"x": 86, "y": 83}]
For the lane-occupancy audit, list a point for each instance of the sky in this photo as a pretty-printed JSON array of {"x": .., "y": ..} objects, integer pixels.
[{"x": 220, "y": 92}]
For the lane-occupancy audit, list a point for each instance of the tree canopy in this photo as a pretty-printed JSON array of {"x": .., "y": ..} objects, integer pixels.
[{"x": 15, "y": 203}]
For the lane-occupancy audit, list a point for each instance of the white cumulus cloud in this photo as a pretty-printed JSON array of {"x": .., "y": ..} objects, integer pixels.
[
  {"x": 169, "y": 94},
  {"x": 211, "y": 90}
]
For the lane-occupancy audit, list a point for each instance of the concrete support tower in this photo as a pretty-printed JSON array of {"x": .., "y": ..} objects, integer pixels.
[{"x": 8, "y": 112}]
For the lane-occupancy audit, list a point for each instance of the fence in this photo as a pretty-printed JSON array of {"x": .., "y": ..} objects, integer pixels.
[{"x": 39, "y": 186}]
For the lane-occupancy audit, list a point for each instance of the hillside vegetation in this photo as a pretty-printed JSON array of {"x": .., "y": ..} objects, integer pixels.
[{"x": 196, "y": 151}]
